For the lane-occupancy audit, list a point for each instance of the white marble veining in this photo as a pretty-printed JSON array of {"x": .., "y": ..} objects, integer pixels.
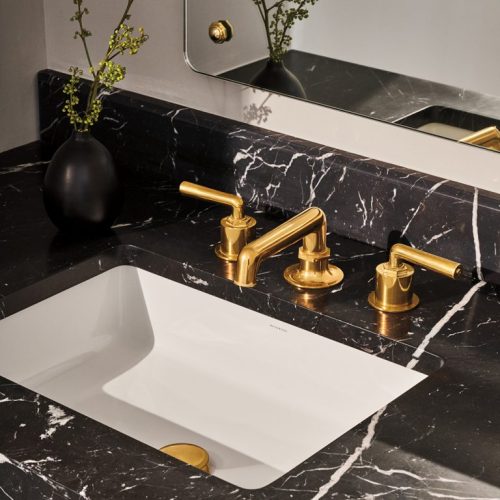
[{"x": 367, "y": 441}]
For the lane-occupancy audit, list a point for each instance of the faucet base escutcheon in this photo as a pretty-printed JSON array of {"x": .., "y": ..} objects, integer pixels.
[
  {"x": 393, "y": 308},
  {"x": 310, "y": 280},
  {"x": 314, "y": 271}
]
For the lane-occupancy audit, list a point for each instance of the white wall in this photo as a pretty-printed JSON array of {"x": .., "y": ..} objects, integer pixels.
[
  {"x": 248, "y": 44},
  {"x": 446, "y": 41},
  {"x": 160, "y": 71},
  {"x": 22, "y": 54}
]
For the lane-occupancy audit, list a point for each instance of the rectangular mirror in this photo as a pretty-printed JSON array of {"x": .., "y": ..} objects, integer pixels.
[{"x": 423, "y": 65}]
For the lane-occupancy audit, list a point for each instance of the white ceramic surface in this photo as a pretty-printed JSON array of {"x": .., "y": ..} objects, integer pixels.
[
  {"x": 165, "y": 363},
  {"x": 444, "y": 130}
]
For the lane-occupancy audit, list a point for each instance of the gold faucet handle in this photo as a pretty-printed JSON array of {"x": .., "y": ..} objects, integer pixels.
[
  {"x": 237, "y": 229},
  {"x": 393, "y": 290}
]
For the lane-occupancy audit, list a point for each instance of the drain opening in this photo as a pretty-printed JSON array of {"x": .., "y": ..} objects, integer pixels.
[{"x": 188, "y": 453}]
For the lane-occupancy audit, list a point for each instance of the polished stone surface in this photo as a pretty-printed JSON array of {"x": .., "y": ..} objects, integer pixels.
[
  {"x": 439, "y": 440},
  {"x": 371, "y": 92},
  {"x": 366, "y": 200}
]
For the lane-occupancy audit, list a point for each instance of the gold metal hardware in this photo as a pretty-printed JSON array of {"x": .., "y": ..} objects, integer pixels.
[
  {"x": 487, "y": 138},
  {"x": 236, "y": 230},
  {"x": 393, "y": 326},
  {"x": 315, "y": 300},
  {"x": 228, "y": 270},
  {"x": 393, "y": 291},
  {"x": 220, "y": 31},
  {"x": 190, "y": 454},
  {"x": 313, "y": 271}
]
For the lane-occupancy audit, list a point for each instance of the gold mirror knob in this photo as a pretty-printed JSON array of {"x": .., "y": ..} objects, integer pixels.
[
  {"x": 237, "y": 229},
  {"x": 393, "y": 290},
  {"x": 220, "y": 31}
]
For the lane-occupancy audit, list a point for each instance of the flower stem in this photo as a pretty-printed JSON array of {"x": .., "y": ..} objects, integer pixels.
[
  {"x": 109, "y": 55},
  {"x": 84, "y": 38}
]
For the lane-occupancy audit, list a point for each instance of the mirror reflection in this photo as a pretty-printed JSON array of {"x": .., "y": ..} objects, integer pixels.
[{"x": 425, "y": 65}]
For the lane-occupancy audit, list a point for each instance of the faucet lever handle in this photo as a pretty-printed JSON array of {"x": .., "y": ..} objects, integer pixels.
[
  {"x": 237, "y": 229},
  {"x": 393, "y": 290},
  {"x": 209, "y": 194}
]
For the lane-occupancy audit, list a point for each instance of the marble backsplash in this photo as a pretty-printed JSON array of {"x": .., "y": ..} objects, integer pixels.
[{"x": 364, "y": 199}]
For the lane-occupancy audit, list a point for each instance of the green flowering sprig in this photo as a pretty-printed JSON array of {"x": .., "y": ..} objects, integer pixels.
[
  {"x": 106, "y": 74},
  {"x": 278, "y": 19},
  {"x": 80, "y": 121}
]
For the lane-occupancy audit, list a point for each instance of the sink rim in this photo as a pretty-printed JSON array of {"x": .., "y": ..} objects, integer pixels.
[{"x": 176, "y": 282}]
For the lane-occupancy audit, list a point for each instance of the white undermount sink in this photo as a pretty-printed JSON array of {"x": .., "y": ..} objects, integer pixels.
[{"x": 165, "y": 363}]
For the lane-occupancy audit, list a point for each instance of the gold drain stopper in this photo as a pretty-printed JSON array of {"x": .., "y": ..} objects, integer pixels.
[{"x": 188, "y": 453}]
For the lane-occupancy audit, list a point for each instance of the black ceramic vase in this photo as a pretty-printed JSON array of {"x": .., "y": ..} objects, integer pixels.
[
  {"x": 276, "y": 77},
  {"x": 81, "y": 189}
]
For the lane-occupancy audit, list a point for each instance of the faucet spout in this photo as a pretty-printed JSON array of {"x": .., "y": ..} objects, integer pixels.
[{"x": 313, "y": 270}]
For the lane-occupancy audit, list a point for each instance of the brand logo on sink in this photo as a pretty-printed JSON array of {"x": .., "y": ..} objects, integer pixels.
[{"x": 278, "y": 328}]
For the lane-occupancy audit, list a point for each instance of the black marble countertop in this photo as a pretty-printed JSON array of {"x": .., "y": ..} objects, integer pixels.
[
  {"x": 371, "y": 92},
  {"x": 439, "y": 440}
]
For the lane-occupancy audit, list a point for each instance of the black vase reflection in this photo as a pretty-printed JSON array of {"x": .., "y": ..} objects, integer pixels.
[
  {"x": 276, "y": 77},
  {"x": 81, "y": 189}
]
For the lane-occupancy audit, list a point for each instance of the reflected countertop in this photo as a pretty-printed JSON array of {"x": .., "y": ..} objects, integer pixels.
[{"x": 371, "y": 92}]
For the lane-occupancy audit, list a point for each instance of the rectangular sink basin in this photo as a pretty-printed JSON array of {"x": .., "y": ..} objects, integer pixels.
[
  {"x": 165, "y": 363},
  {"x": 447, "y": 122}
]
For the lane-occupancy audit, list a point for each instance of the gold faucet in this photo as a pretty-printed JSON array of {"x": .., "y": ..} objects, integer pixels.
[
  {"x": 313, "y": 270},
  {"x": 393, "y": 289},
  {"x": 487, "y": 138},
  {"x": 237, "y": 229}
]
